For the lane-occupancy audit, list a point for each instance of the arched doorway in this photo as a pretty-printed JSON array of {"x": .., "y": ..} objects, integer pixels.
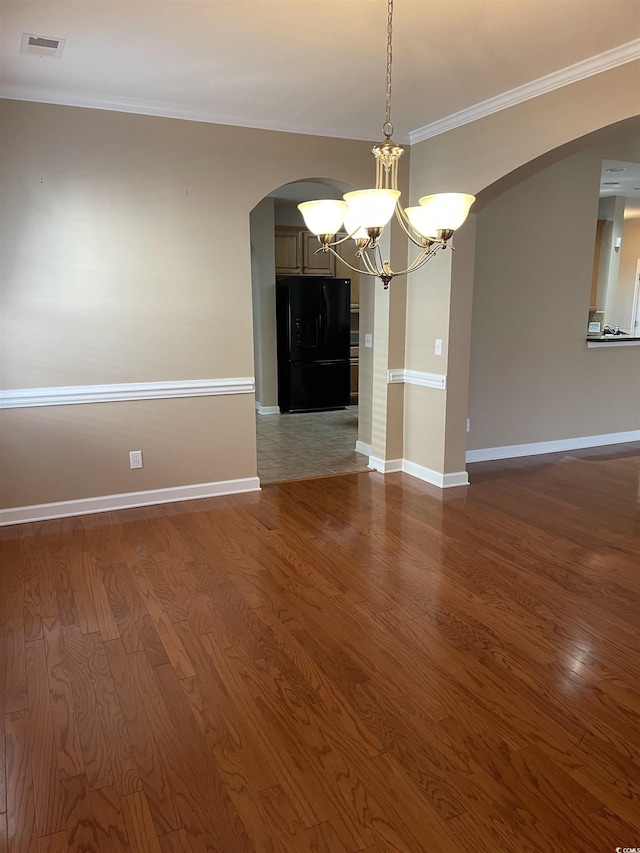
[{"x": 318, "y": 439}]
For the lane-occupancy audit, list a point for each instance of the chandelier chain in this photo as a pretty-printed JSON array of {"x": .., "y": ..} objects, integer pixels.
[{"x": 387, "y": 128}]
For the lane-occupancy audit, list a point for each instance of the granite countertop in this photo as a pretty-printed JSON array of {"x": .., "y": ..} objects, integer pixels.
[{"x": 612, "y": 339}]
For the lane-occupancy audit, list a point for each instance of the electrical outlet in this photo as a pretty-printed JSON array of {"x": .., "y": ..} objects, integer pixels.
[
  {"x": 368, "y": 340},
  {"x": 135, "y": 459},
  {"x": 438, "y": 349}
]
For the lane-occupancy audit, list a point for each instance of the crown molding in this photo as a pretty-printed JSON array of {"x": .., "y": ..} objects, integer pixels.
[
  {"x": 159, "y": 109},
  {"x": 620, "y": 55}
]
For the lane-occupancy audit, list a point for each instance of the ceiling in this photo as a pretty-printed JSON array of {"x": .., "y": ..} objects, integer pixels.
[{"x": 305, "y": 65}]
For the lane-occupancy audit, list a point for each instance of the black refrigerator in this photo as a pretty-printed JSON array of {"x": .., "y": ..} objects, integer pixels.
[{"x": 313, "y": 323}]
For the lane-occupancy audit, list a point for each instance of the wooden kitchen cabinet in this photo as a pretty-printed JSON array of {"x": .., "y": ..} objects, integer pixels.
[
  {"x": 323, "y": 263},
  {"x": 295, "y": 253},
  {"x": 288, "y": 250}
]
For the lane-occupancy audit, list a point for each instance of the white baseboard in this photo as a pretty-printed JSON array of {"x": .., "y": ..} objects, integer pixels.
[
  {"x": 442, "y": 481},
  {"x": 363, "y": 448},
  {"x": 267, "y": 410},
  {"x": 129, "y": 500},
  {"x": 512, "y": 451},
  {"x": 385, "y": 466}
]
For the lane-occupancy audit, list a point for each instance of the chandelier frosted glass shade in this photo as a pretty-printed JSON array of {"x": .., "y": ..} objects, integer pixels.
[
  {"x": 352, "y": 227},
  {"x": 422, "y": 221},
  {"x": 447, "y": 211},
  {"x": 372, "y": 208},
  {"x": 324, "y": 216}
]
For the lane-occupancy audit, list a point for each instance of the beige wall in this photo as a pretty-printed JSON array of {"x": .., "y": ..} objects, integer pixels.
[
  {"x": 532, "y": 377},
  {"x": 126, "y": 258},
  {"x": 473, "y": 156},
  {"x": 62, "y": 453},
  {"x": 118, "y": 256},
  {"x": 365, "y": 365},
  {"x": 482, "y": 156},
  {"x": 459, "y": 347}
]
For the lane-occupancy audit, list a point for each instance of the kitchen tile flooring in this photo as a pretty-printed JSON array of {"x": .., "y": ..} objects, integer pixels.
[{"x": 313, "y": 444}]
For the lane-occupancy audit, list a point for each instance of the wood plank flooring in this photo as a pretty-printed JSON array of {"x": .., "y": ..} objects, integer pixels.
[{"x": 356, "y": 663}]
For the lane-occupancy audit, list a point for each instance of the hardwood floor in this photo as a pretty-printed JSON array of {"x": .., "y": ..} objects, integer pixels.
[{"x": 356, "y": 663}]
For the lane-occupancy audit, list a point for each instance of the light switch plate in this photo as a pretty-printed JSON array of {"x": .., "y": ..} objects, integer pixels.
[{"x": 368, "y": 340}]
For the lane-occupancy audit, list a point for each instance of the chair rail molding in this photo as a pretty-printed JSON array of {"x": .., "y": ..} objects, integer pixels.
[
  {"x": 417, "y": 377},
  {"x": 24, "y": 398}
]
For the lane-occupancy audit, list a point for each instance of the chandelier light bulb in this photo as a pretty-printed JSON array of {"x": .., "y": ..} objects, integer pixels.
[
  {"x": 447, "y": 210},
  {"x": 324, "y": 216}
]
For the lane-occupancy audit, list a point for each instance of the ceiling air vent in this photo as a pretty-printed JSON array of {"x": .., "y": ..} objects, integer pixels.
[{"x": 42, "y": 45}]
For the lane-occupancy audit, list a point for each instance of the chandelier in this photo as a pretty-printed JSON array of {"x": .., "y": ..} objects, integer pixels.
[{"x": 364, "y": 213}]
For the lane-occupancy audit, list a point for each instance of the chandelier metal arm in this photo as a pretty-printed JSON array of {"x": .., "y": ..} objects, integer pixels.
[
  {"x": 331, "y": 243},
  {"x": 328, "y": 248},
  {"x": 415, "y": 236},
  {"x": 425, "y": 255},
  {"x": 403, "y": 219},
  {"x": 370, "y": 268},
  {"x": 383, "y": 271},
  {"x": 422, "y": 258},
  {"x": 404, "y": 224}
]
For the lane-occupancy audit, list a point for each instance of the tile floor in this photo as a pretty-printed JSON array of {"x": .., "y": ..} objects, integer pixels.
[{"x": 313, "y": 444}]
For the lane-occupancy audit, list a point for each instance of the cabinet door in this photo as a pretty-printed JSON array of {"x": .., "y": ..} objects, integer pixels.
[
  {"x": 321, "y": 264},
  {"x": 288, "y": 250}
]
